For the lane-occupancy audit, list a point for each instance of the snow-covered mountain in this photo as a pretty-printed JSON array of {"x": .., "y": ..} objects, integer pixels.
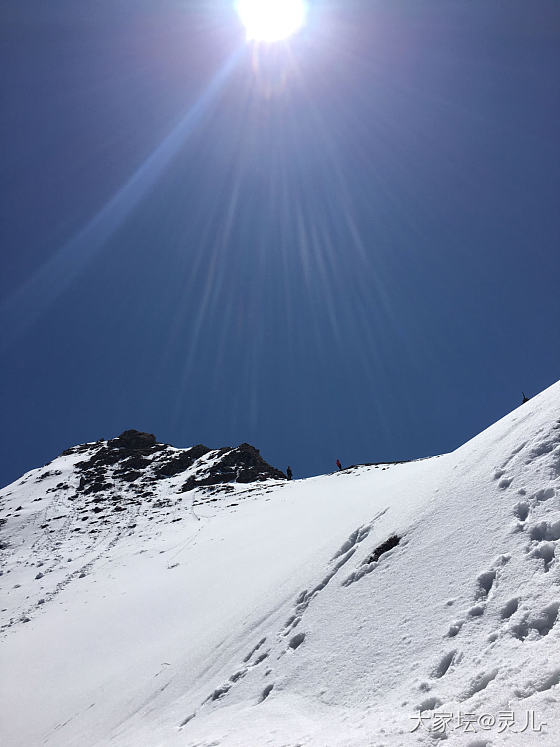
[{"x": 155, "y": 596}]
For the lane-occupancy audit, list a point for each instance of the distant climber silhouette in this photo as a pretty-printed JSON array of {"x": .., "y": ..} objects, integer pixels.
[
  {"x": 338, "y": 464},
  {"x": 525, "y": 398},
  {"x": 289, "y": 473}
]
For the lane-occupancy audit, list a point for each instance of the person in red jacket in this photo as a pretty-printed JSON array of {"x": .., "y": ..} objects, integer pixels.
[{"x": 338, "y": 464}]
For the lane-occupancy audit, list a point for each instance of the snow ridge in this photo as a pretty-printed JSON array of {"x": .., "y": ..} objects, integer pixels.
[{"x": 365, "y": 607}]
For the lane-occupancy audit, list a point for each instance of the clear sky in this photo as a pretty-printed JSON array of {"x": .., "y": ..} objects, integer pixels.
[{"x": 346, "y": 245}]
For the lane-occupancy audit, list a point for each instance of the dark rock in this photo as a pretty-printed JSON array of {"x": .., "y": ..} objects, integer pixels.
[
  {"x": 81, "y": 448},
  {"x": 132, "y": 440},
  {"x": 103, "y": 457},
  {"x": 136, "y": 461},
  {"x": 133, "y": 461},
  {"x": 95, "y": 485},
  {"x": 180, "y": 461},
  {"x": 162, "y": 503},
  {"x": 128, "y": 452},
  {"x": 48, "y": 474},
  {"x": 243, "y": 464},
  {"x": 393, "y": 541}
]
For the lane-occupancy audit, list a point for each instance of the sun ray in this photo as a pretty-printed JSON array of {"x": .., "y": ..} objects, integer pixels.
[{"x": 271, "y": 20}]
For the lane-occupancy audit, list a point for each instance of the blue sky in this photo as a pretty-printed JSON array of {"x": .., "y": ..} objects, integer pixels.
[{"x": 346, "y": 247}]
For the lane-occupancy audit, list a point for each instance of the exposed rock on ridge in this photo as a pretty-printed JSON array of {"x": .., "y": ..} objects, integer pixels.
[{"x": 136, "y": 457}]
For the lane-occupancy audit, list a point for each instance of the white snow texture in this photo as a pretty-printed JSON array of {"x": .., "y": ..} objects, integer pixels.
[{"x": 325, "y": 611}]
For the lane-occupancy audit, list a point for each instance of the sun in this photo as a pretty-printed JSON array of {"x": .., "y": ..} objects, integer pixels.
[{"x": 271, "y": 20}]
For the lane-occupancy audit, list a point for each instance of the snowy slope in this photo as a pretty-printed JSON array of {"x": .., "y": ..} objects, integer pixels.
[{"x": 279, "y": 613}]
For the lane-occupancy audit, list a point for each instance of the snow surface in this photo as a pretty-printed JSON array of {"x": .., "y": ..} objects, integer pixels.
[{"x": 267, "y": 618}]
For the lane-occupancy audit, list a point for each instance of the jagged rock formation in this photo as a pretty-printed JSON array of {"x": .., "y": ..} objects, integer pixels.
[
  {"x": 243, "y": 464},
  {"x": 109, "y": 485},
  {"x": 136, "y": 457}
]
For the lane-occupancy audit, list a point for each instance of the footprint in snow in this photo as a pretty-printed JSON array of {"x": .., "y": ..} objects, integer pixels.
[
  {"x": 455, "y": 628},
  {"x": 442, "y": 667},
  {"x": 429, "y": 704},
  {"x": 546, "y": 681},
  {"x": 521, "y": 510},
  {"x": 485, "y": 582},
  {"x": 296, "y": 641},
  {"x": 266, "y": 692},
  {"x": 545, "y": 551},
  {"x": 545, "y": 530},
  {"x": 540, "y": 622},
  {"x": 544, "y": 494},
  {"x": 510, "y": 608},
  {"x": 254, "y": 650},
  {"x": 479, "y": 683}
]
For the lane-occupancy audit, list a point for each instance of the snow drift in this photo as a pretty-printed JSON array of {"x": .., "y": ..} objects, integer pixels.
[{"x": 383, "y": 605}]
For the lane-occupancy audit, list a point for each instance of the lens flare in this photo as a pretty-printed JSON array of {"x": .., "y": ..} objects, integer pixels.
[{"x": 271, "y": 20}]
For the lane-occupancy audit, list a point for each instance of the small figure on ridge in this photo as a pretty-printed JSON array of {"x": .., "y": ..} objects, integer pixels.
[
  {"x": 338, "y": 464},
  {"x": 525, "y": 398},
  {"x": 289, "y": 473}
]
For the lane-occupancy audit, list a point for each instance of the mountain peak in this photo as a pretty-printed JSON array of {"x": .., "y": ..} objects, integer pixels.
[
  {"x": 173, "y": 596},
  {"x": 136, "y": 459}
]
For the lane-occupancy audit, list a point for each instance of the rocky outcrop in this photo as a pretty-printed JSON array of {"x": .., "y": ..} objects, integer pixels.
[
  {"x": 137, "y": 458},
  {"x": 242, "y": 464},
  {"x": 130, "y": 454},
  {"x": 133, "y": 441},
  {"x": 179, "y": 461}
]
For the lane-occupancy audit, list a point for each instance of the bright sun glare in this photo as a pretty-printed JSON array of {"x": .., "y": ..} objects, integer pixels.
[{"x": 271, "y": 20}]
